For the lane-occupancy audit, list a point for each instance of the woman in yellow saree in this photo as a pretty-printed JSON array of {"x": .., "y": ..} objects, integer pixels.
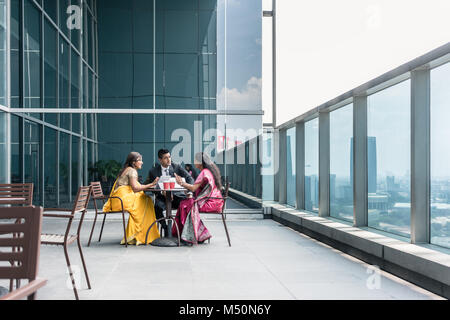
[{"x": 135, "y": 201}]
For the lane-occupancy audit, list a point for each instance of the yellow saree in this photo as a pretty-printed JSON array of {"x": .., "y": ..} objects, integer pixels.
[{"x": 142, "y": 214}]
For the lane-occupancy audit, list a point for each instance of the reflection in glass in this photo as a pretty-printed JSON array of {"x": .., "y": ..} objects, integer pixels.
[
  {"x": 50, "y": 168},
  {"x": 32, "y": 54},
  {"x": 290, "y": 167},
  {"x": 64, "y": 53},
  {"x": 75, "y": 89},
  {"x": 3, "y": 52},
  {"x": 341, "y": 163},
  {"x": 15, "y": 53},
  {"x": 312, "y": 165},
  {"x": 183, "y": 61},
  {"x": 64, "y": 167},
  {"x": 16, "y": 163},
  {"x": 32, "y": 157},
  {"x": 50, "y": 71},
  {"x": 388, "y": 156},
  {"x": 440, "y": 156},
  {"x": 50, "y": 6},
  {"x": 76, "y": 165}
]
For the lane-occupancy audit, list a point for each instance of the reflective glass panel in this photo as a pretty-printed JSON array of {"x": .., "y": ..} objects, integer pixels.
[
  {"x": 341, "y": 163},
  {"x": 50, "y": 168},
  {"x": 312, "y": 165},
  {"x": 50, "y": 71},
  {"x": 32, "y": 56},
  {"x": 15, "y": 53},
  {"x": 290, "y": 167},
  {"x": 64, "y": 170},
  {"x": 64, "y": 54},
  {"x": 76, "y": 165},
  {"x": 16, "y": 161},
  {"x": 32, "y": 152},
  {"x": 388, "y": 156},
  {"x": 3, "y": 52},
  {"x": 440, "y": 156}
]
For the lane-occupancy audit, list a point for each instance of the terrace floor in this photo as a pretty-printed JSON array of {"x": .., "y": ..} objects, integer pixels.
[{"x": 266, "y": 261}]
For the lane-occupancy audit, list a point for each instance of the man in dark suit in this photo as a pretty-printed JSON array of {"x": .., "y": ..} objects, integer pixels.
[{"x": 167, "y": 168}]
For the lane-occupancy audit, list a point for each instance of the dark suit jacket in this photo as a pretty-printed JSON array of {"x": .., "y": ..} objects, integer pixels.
[{"x": 174, "y": 168}]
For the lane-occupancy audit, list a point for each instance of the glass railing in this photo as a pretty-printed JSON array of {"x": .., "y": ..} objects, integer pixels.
[{"x": 376, "y": 156}]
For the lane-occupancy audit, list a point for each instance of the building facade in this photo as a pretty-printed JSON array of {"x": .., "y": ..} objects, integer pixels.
[{"x": 102, "y": 78}]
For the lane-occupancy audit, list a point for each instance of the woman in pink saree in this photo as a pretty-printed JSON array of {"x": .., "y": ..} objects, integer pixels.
[{"x": 207, "y": 198}]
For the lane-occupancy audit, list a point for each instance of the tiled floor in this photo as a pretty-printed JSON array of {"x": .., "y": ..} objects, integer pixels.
[{"x": 266, "y": 261}]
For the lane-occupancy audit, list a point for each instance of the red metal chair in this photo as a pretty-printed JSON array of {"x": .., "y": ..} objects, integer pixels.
[
  {"x": 80, "y": 206},
  {"x": 21, "y": 229},
  {"x": 16, "y": 194},
  {"x": 97, "y": 194},
  {"x": 222, "y": 212}
]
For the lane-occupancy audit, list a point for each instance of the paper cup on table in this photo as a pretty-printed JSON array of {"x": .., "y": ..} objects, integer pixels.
[{"x": 166, "y": 185}]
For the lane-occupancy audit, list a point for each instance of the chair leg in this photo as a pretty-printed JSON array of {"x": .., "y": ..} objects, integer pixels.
[
  {"x": 84, "y": 264},
  {"x": 124, "y": 230},
  {"x": 178, "y": 231},
  {"x": 101, "y": 230},
  {"x": 92, "y": 231},
  {"x": 70, "y": 272},
  {"x": 32, "y": 296},
  {"x": 226, "y": 229}
]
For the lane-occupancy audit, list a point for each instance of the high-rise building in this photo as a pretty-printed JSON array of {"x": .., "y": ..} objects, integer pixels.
[{"x": 371, "y": 164}]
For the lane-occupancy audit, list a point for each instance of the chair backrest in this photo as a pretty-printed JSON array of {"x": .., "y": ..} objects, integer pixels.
[
  {"x": 82, "y": 199},
  {"x": 16, "y": 194},
  {"x": 20, "y": 228},
  {"x": 97, "y": 191},
  {"x": 80, "y": 205}
]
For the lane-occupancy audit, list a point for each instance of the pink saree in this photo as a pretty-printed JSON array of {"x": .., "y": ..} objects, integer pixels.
[{"x": 191, "y": 227}]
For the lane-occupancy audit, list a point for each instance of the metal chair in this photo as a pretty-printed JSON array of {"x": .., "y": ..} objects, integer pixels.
[
  {"x": 222, "y": 212},
  {"x": 16, "y": 194},
  {"x": 97, "y": 194},
  {"x": 80, "y": 206},
  {"x": 28, "y": 222}
]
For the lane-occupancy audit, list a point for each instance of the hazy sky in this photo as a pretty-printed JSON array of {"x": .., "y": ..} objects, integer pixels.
[{"x": 327, "y": 47}]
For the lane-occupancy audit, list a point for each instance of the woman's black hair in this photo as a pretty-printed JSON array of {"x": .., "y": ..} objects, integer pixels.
[
  {"x": 209, "y": 164},
  {"x": 131, "y": 158}
]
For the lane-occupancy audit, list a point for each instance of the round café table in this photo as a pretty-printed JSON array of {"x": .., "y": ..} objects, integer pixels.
[{"x": 167, "y": 240}]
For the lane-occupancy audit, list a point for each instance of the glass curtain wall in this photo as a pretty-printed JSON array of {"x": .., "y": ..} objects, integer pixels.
[
  {"x": 46, "y": 68},
  {"x": 170, "y": 55},
  {"x": 156, "y": 55},
  {"x": 389, "y": 160},
  {"x": 440, "y": 156},
  {"x": 341, "y": 163}
]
